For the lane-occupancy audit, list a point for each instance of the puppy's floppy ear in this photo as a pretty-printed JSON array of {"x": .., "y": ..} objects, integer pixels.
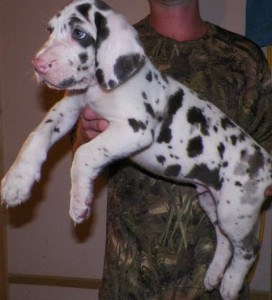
[{"x": 119, "y": 53}]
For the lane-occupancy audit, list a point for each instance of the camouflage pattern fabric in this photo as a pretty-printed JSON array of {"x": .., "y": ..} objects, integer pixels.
[{"x": 159, "y": 240}]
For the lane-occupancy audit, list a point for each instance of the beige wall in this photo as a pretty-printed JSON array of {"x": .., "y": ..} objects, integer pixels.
[{"x": 41, "y": 238}]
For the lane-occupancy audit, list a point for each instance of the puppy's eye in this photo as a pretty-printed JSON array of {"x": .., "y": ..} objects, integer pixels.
[{"x": 79, "y": 34}]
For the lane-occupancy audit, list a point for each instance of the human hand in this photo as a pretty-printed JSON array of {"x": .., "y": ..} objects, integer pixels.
[{"x": 90, "y": 125}]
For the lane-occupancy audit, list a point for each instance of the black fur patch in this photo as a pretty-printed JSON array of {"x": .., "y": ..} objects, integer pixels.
[
  {"x": 67, "y": 82},
  {"x": 126, "y": 65},
  {"x": 87, "y": 41},
  {"x": 250, "y": 245},
  {"x": 103, "y": 30},
  {"x": 256, "y": 162},
  {"x": 207, "y": 176},
  {"x": 165, "y": 135},
  {"x": 165, "y": 79},
  {"x": 161, "y": 159},
  {"x": 221, "y": 150},
  {"x": 227, "y": 123},
  {"x": 195, "y": 146},
  {"x": 144, "y": 95},
  {"x": 100, "y": 76},
  {"x": 74, "y": 21},
  {"x": 225, "y": 164},
  {"x": 136, "y": 125},
  {"x": 102, "y": 5},
  {"x": 83, "y": 57},
  {"x": 83, "y": 9},
  {"x": 196, "y": 117},
  {"x": 233, "y": 139},
  {"x": 174, "y": 103},
  {"x": 149, "y": 76},
  {"x": 149, "y": 109},
  {"x": 172, "y": 171}
]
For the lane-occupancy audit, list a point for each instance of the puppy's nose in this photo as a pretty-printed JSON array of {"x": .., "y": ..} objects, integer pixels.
[{"x": 42, "y": 66}]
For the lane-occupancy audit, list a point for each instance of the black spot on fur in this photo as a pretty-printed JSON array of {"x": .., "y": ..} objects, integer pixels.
[
  {"x": 221, "y": 150},
  {"x": 74, "y": 21},
  {"x": 67, "y": 83},
  {"x": 164, "y": 77},
  {"x": 225, "y": 164},
  {"x": 174, "y": 103},
  {"x": 136, "y": 125},
  {"x": 103, "y": 30},
  {"x": 144, "y": 95},
  {"x": 195, "y": 147},
  {"x": 238, "y": 183},
  {"x": 233, "y": 139},
  {"x": 49, "y": 121},
  {"x": 149, "y": 76},
  {"x": 172, "y": 171},
  {"x": 250, "y": 245},
  {"x": 126, "y": 65},
  {"x": 83, "y": 57},
  {"x": 165, "y": 135},
  {"x": 149, "y": 109},
  {"x": 256, "y": 162},
  {"x": 84, "y": 10},
  {"x": 100, "y": 76},
  {"x": 161, "y": 159},
  {"x": 241, "y": 137},
  {"x": 87, "y": 41},
  {"x": 243, "y": 154},
  {"x": 57, "y": 130},
  {"x": 196, "y": 117},
  {"x": 102, "y": 5},
  {"x": 227, "y": 123},
  {"x": 204, "y": 174}
]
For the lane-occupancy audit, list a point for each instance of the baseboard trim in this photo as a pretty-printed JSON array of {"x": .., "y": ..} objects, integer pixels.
[
  {"x": 84, "y": 283},
  {"x": 59, "y": 281},
  {"x": 257, "y": 295}
]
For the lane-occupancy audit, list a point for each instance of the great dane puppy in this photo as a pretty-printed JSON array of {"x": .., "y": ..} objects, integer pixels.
[{"x": 163, "y": 126}]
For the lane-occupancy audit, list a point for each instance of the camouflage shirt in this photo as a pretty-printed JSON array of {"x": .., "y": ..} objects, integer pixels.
[{"x": 159, "y": 240}]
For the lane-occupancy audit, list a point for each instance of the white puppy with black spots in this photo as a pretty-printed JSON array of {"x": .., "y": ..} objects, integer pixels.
[{"x": 160, "y": 124}]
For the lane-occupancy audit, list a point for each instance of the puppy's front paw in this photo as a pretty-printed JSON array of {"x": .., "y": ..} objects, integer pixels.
[
  {"x": 16, "y": 185},
  {"x": 80, "y": 204}
]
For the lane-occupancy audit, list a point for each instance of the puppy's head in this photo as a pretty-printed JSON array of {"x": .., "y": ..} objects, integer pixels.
[{"x": 89, "y": 44}]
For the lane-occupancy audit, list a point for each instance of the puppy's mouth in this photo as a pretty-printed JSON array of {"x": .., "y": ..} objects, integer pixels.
[
  {"x": 65, "y": 84},
  {"x": 70, "y": 83}
]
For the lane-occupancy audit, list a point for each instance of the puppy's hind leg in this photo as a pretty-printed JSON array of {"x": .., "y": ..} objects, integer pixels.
[
  {"x": 239, "y": 224},
  {"x": 223, "y": 250}
]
